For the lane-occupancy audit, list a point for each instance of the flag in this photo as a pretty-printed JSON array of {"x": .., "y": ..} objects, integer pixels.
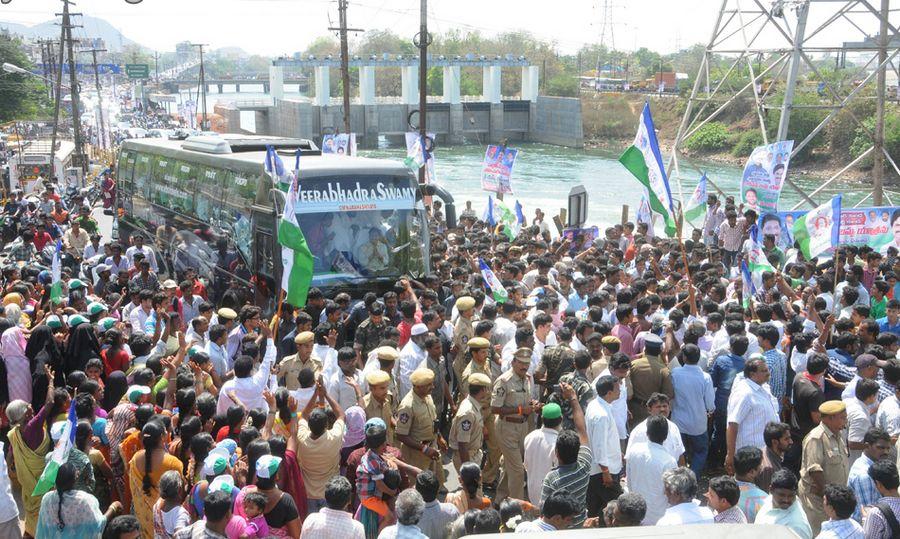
[
  {"x": 488, "y": 215},
  {"x": 415, "y": 154},
  {"x": 644, "y": 161},
  {"x": 749, "y": 286},
  {"x": 492, "y": 282},
  {"x": 520, "y": 217},
  {"x": 47, "y": 481},
  {"x": 275, "y": 169},
  {"x": 819, "y": 230},
  {"x": 696, "y": 206},
  {"x": 507, "y": 218},
  {"x": 56, "y": 274},
  {"x": 296, "y": 258}
]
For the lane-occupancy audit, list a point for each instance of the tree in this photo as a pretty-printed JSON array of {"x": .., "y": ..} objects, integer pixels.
[{"x": 21, "y": 96}]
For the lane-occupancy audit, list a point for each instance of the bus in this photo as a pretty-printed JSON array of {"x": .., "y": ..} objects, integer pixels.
[
  {"x": 33, "y": 162},
  {"x": 206, "y": 203}
]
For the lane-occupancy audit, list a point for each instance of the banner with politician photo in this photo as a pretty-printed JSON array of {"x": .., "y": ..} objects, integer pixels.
[
  {"x": 764, "y": 175},
  {"x": 497, "y": 169},
  {"x": 877, "y": 227},
  {"x": 342, "y": 144}
]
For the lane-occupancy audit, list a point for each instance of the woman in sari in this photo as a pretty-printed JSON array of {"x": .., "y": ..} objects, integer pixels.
[
  {"x": 119, "y": 420},
  {"x": 69, "y": 512},
  {"x": 280, "y": 511},
  {"x": 144, "y": 471},
  {"x": 29, "y": 442},
  {"x": 469, "y": 497}
]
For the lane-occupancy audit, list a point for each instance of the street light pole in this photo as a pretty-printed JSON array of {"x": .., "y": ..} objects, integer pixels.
[
  {"x": 204, "y": 123},
  {"x": 423, "y": 79}
]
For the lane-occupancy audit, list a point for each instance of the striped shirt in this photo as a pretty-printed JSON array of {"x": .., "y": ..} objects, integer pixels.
[
  {"x": 862, "y": 485},
  {"x": 841, "y": 529},
  {"x": 574, "y": 478},
  {"x": 777, "y": 363},
  {"x": 876, "y": 526},
  {"x": 731, "y": 236},
  {"x": 751, "y": 406},
  {"x": 733, "y": 515}
]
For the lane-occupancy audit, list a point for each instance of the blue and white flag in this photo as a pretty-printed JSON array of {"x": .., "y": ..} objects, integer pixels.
[
  {"x": 491, "y": 281},
  {"x": 60, "y": 454},
  {"x": 749, "y": 290},
  {"x": 275, "y": 169}
]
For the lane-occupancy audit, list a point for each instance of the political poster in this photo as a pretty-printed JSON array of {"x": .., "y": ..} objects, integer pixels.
[
  {"x": 764, "y": 176},
  {"x": 581, "y": 239},
  {"x": 413, "y": 147},
  {"x": 342, "y": 144},
  {"x": 497, "y": 169},
  {"x": 877, "y": 227}
]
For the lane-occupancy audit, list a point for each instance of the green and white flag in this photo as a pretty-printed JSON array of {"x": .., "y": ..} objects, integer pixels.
[
  {"x": 644, "y": 161},
  {"x": 296, "y": 258},
  {"x": 819, "y": 230},
  {"x": 64, "y": 445},
  {"x": 696, "y": 206}
]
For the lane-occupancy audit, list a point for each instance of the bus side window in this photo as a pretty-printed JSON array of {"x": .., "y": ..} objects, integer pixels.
[
  {"x": 142, "y": 176},
  {"x": 265, "y": 248},
  {"x": 238, "y": 195},
  {"x": 126, "y": 169},
  {"x": 163, "y": 181},
  {"x": 208, "y": 197},
  {"x": 183, "y": 190}
]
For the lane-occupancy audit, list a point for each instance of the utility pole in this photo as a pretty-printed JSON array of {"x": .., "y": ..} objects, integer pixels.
[
  {"x": 101, "y": 134},
  {"x": 73, "y": 82},
  {"x": 345, "y": 61},
  {"x": 204, "y": 123},
  {"x": 878, "y": 156},
  {"x": 424, "y": 41},
  {"x": 156, "y": 61},
  {"x": 51, "y": 58}
]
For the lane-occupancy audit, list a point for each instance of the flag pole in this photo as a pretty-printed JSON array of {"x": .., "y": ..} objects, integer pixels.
[
  {"x": 276, "y": 321},
  {"x": 687, "y": 268}
]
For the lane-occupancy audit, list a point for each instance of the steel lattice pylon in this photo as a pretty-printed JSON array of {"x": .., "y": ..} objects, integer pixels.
[{"x": 772, "y": 42}]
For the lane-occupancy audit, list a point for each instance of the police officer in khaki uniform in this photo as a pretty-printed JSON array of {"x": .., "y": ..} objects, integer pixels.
[
  {"x": 462, "y": 332},
  {"x": 824, "y": 461},
  {"x": 479, "y": 348},
  {"x": 417, "y": 426},
  {"x": 511, "y": 402},
  {"x": 379, "y": 401},
  {"x": 467, "y": 429},
  {"x": 290, "y": 367}
]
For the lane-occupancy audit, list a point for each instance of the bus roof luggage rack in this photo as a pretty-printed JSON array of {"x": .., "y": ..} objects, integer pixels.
[{"x": 226, "y": 144}]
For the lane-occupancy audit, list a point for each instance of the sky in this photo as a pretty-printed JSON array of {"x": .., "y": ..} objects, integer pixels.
[{"x": 275, "y": 27}]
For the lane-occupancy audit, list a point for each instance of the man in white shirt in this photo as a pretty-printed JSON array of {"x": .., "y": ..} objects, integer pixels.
[
  {"x": 504, "y": 327},
  {"x": 603, "y": 485},
  {"x": 247, "y": 386},
  {"x": 215, "y": 348},
  {"x": 658, "y": 405},
  {"x": 645, "y": 467},
  {"x": 139, "y": 315},
  {"x": 139, "y": 247},
  {"x": 751, "y": 406},
  {"x": 681, "y": 486},
  {"x": 540, "y": 450},
  {"x": 619, "y": 365},
  {"x": 346, "y": 386},
  {"x": 411, "y": 356}
]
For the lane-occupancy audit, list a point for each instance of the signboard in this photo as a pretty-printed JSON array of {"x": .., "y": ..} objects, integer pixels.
[
  {"x": 764, "y": 176},
  {"x": 581, "y": 239},
  {"x": 346, "y": 194},
  {"x": 137, "y": 71},
  {"x": 877, "y": 227},
  {"x": 497, "y": 169}
]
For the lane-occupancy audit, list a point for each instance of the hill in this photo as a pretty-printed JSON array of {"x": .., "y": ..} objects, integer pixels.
[{"x": 93, "y": 26}]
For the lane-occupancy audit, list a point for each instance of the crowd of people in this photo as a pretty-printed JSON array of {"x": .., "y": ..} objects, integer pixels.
[{"x": 628, "y": 381}]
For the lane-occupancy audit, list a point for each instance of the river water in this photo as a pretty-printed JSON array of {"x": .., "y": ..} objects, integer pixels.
[{"x": 544, "y": 174}]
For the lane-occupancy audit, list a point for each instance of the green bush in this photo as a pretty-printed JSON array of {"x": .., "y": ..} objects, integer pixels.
[
  {"x": 745, "y": 142},
  {"x": 862, "y": 141},
  {"x": 712, "y": 137},
  {"x": 563, "y": 86}
]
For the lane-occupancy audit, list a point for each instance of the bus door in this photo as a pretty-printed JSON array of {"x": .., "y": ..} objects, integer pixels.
[{"x": 265, "y": 252}]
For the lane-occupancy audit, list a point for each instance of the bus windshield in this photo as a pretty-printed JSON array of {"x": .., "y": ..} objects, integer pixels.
[{"x": 358, "y": 231}]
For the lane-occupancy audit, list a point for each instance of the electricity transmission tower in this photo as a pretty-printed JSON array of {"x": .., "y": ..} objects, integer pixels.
[
  {"x": 768, "y": 47},
  {"x": 607, "y": 32}
]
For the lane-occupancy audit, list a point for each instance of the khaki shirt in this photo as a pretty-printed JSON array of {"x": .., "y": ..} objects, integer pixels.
[
  {"x": 416, "y": 417},
  {"x": 826, "y": 452},
  {"x": 511, "y": 391},
  {"x": 467, "y": 426},
  {"x": 319, "y": 458},
  {"x": 462, "y": 332},
  {"x": 290, "y": 368},
  {"x": 385, "y": 411},
  {"x": 596, "y": 367},
  {"x": 471, "y": 368},
  {"x": 648, "y": 376}
]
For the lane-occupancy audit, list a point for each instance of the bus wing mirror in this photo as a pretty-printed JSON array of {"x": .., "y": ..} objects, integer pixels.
[{"x": 445, "y": 196}]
